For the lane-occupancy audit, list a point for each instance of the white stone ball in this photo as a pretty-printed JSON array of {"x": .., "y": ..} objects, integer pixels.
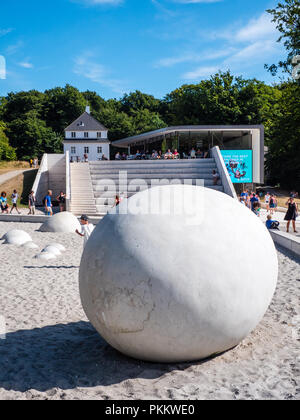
[
  {"x": 58, "y": 246},
  {"x": 16, "y": 237},
  {"x": 175, "y": 288},
  {"x": 52, "y": 250},
  {"x": 61, "y": 222},
  {"x": 30, "y": 245},
  {"x": 45, "y": 256}
]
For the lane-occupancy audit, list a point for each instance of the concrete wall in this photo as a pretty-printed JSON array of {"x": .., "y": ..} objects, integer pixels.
[
  {"x": 41, "y": 182},
  {"x": 57, "y": 174},
  {"x": 225, "y": 178},
  {"x": 51, "y": 175},
  {"x": 287, "y": 241}
]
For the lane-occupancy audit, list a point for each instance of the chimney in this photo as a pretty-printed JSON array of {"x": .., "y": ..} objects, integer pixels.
[{"x": 88, "y": 109}]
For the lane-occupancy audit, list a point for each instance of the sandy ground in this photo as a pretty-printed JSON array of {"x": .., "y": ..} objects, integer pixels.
[{"x": 52, "y": 352}]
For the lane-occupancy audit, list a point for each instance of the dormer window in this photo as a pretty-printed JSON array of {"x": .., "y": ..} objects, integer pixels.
[
  {"x": 86, "y": 135},
  {"x": 80, "y": 124}
]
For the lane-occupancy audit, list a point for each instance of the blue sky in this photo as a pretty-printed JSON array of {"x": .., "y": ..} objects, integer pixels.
[{"x": 117, "y": 46}]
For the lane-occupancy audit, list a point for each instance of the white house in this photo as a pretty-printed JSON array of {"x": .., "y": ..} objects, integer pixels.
[{"x": 86, "y": 136}]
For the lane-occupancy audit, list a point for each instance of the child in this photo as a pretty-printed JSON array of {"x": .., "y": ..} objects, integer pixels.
[
  {"x": 14, "y": 200},
  {"x": 31, "y": 202},
  {"x": 86, "y": 228},
  {"x": 272, "y": 224},
  {"x": 4, "y": 205}
]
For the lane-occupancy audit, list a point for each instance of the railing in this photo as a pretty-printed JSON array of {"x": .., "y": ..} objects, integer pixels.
[
  {"x": 40, "y": 185},
  {"x": 68, "y": 182},
  {"x": 225, "y": 178}
]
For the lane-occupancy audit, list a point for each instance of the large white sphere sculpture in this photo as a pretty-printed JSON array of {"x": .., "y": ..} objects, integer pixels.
[
  {"x": 61, "y": 222},
  {"x": 16, "y": 237},
  {"x": 174, "y": 288}
]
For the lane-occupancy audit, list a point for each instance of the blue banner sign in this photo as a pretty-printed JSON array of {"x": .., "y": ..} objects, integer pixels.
[{"x": 239, "y": 164}]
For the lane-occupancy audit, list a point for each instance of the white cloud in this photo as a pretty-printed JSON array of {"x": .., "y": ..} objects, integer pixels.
[
  {"x": 26, "y": 64},
  {"x": 87, "y": 67},
  {"x": 260, "y": 28},
  {"x": 194, "y": 57},
  {"x": 200, "y": 72}
]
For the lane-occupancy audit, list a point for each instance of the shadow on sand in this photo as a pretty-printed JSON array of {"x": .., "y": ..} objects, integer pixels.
[{"x": 67, "y": 357}]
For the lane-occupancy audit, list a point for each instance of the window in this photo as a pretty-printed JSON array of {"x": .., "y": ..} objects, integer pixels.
[
  {"x": 73, "y": 150},
  {"x": 99, "y": 150},
  {"x": 73, "y": 134},
  {"x": 86, "y": 135},
  {"x": 87, "y": 150},
  {"x": 99, "y": 135}
]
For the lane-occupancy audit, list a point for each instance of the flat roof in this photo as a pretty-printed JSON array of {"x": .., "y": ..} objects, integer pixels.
[{"x": 183, "y": 128}]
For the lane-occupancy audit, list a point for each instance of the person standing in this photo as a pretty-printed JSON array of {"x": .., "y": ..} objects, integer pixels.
[
  {"x": 272, "y": 204},
  {"x": 86, "y": 228},
  {"x": 35, "y": 163},
  {"x": 31, "y": 203},
  {"x": 30, "y": 163},
  {"x": 267, "y": 201},
  {"x": 291, "y": 214},
  {"x": 61, "y": 200},
  {"x": 254, "y": 200},
  {"x": 48, "y": 203},
  {"x": 14, "y": 200},
  {"x": 4, "y": 204}
]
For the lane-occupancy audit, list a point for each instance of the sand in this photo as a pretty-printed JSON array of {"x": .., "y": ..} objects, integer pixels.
[{"x": 52, "y": 352}]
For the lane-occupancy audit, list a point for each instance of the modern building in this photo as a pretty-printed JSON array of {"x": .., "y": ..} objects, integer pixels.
[
  {"x": 242, "y": 146},
  {"x": 86, "y": 136}
]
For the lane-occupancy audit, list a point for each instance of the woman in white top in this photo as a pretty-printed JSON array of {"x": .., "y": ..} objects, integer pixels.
[{"x": 267, "y": 201}]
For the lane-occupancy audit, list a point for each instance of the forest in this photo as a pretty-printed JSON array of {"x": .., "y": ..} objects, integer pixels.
[{"x": 33, "y": 122}]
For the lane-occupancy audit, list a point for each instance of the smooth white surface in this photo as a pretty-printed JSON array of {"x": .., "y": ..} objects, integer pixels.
[
  {"x": 30, "y": 245},
  {"x": 159, "y": 288},
  {"x": 52, "y": 250},
  {"x": 16, "y": 237},
  {"x": 61, "y": 222},
  {"x": 58, "y": 246},
  {"x": 45, "y": 256}
]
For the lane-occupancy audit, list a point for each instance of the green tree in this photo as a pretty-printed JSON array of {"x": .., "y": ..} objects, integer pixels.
[
  {"x": 283, "y": 159},
  {"x": 18, "y": 104},
  {"x": 6, "y": 151},
  {"x": 61, "y": 106},
  {"x": 137, "y": 101},
  {"x": 145, "y": 120},
  {"x": 31, "y": 137},
  {"x": 286, "y": 16}
]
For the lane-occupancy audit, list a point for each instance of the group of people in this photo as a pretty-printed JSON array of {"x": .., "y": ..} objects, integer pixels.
[
  {"x": 47, "y": 201},
  {"x": 61, "y": 199},
  {"x": 4, "y": 203},
  {"x": 253, "y": 201},
  {"x": 85, "y": 158},
  {"x": 157, "y": 154},
  {"x": 33, "y": 162}
]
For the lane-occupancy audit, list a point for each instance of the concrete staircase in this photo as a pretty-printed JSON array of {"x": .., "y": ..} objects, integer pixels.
[
  {"x": 106, "y": 181},
  {"x": 82, "y": 194}
]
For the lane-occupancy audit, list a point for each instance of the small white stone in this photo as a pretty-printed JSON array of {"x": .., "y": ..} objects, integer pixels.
[
  {"x": 175, "y": 288},
  {"x": 17, "y": 237},
  {"x": 45, "y": 256},
  {"x": 52, "y": 250},
  {"x": 58, "y": 246}
]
